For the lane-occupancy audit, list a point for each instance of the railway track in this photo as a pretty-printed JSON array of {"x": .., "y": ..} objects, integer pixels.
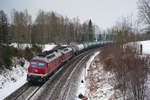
[{"x": 58, "y": 87}]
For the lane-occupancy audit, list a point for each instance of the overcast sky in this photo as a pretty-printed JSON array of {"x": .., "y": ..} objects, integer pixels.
[{"x": 102, "y": 12}]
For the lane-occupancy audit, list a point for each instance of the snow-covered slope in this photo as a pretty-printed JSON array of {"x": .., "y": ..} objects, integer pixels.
[
  {"x": 96, "y": 84},
  {"x": 10, "y": 80}
]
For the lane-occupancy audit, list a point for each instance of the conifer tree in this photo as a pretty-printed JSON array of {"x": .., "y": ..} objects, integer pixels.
[
  {"x": 90, "y": 31},
  {"x": 3, "y": 28}
]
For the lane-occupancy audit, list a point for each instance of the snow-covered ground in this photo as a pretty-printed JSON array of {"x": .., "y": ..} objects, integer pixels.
[
  {"x": 96, "y": 84},
  {"x": 82, "y": 86},
  {"x": 48, "y": 47},
  {"x": 11, "y": 80},
  {"x": 146, "y": 50},
  {"x": 44, "y": 47},
  {"x": 22, "y": 46},
  {"x": 146, "y": 46}
]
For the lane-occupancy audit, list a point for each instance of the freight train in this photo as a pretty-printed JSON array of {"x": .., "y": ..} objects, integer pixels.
[{"x": 46, "y": 63}]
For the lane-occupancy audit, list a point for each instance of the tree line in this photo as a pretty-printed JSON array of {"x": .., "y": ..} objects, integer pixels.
[{"x": 46, "y": 28}]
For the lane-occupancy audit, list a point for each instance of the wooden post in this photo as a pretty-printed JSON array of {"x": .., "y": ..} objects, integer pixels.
[{"x": 141, "y": 49}]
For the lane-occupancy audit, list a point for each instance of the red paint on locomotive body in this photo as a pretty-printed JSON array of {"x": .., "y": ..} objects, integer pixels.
[
  {"x": 36, "y": 69},
  {"x": 44, "y": 66}
]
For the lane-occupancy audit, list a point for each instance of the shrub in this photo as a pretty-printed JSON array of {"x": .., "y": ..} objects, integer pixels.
[
  {"x": 129, "y": 68},
  {"x": 7, "y": 61},
  {"x": 28, "y": 53},
  {"x": 13, "y": 51},
  {"x": 81, "y": 96},
  {"x": 36, "y": 48},
  {"x": 0, "y": 63}
]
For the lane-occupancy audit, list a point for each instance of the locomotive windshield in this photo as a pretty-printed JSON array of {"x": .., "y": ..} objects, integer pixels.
[
  {"x": 41, "y": 65},
  {"x": 33, "y": 64}
]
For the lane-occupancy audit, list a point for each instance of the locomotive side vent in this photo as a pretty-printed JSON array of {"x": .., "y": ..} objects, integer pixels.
[
  {"x": 45, "y": 53},
  {"x": 51, "y": 56}
]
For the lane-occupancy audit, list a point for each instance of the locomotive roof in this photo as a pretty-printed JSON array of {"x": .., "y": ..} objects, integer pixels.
[
  {"x": 66, "y": 50},
  {"x": 45, "y": 53},
  {"x": 47, "y": 58}
]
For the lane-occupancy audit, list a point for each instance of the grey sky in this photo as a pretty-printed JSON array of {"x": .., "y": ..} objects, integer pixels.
[{"x": 103, "y": 12}]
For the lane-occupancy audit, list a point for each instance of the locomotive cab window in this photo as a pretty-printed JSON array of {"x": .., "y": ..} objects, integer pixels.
[
  {"x": 33, "y": 64},
  {"x": 41, "y": 65}
]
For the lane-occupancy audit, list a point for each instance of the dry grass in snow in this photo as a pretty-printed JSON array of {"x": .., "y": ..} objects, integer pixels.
[{"x": 98, "y": 86}]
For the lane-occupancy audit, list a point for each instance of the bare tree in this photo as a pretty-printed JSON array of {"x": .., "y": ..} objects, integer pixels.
[
  {"x": 123, "y": 59},
  {"x": 144, "y": 10},
  {"x": 144, "y": 17},
  {"x": 21, "y": 22},
  {"x": 48, "y": 27}
]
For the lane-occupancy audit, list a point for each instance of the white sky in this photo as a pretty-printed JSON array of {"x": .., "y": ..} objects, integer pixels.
[{"x": 102, "y": 12}]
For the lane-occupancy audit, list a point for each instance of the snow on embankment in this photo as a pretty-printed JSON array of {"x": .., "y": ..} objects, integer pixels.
[
  {"x": 10, "y": 80},
  {"x": 48, "y": 47},
  {"x": 90, "y": 62},
  {"x": 82, "y": 86},
  {"x": 94, "y": 82}
]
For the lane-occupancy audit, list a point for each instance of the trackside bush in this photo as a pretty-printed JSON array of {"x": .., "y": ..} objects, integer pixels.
[
  {"x": 28, "y": 53},
  {"x": 129, "y": 68},
  {"x": 36, "y": 48},
  {"x": 81, "y": 96}
]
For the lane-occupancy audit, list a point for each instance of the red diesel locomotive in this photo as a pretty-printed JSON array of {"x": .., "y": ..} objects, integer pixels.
[{"x": 42, "y": 66}]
